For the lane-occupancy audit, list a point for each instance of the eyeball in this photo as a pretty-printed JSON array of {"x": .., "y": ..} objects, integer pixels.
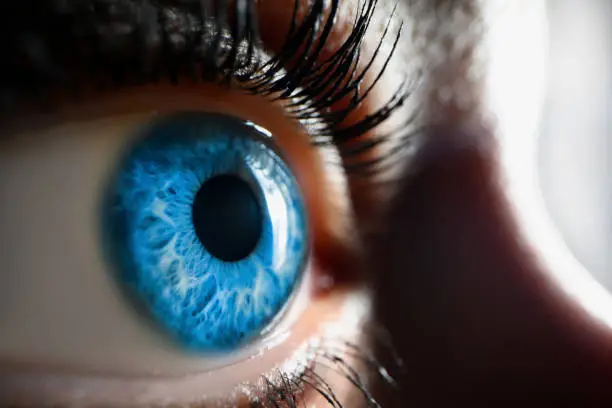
[{"x": 205, "y": 228}]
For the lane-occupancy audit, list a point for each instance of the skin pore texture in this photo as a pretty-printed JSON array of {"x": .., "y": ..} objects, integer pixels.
[{"x": 468, "y": 295}]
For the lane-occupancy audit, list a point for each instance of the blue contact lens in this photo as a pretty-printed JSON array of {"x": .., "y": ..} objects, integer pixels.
[{"x": 207, "y": 229}]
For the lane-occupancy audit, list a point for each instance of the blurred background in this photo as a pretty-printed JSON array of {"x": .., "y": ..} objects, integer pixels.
[{"x": 573, "y": 143}]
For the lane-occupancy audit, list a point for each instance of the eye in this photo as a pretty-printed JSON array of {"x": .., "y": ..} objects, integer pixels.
[
  {"x": 178, "y": 226},
  {"x": 207, "y": 227},
  {"x": 161, "y": 243}
]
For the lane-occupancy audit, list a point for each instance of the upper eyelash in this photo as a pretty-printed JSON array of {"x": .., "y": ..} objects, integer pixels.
[{"x": 127, "y": 41}]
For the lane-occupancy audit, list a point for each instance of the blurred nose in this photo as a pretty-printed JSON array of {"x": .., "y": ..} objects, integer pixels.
[{"x": 467, "y": 305}]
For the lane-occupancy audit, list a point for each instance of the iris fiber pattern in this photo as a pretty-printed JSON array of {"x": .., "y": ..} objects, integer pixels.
[{"x": 205, "y": 303}]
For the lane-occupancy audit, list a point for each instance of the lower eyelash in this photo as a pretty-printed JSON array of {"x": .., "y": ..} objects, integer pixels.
[{"x": 334, "y": 354}]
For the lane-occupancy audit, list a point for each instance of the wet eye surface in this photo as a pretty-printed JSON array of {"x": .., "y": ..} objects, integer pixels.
[
  {"x": 207, "y": 227},
  {"x": 113, "y": 211}
]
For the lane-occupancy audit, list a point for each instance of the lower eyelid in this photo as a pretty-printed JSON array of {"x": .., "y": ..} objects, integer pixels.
[{"x": 339, "y": 313}]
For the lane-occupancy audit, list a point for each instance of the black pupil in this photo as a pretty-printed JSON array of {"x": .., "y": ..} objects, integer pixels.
[{"x": 227, "y": 217}]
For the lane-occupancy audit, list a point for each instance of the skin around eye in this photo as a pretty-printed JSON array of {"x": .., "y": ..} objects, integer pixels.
[{"x": 65, "y": 313}]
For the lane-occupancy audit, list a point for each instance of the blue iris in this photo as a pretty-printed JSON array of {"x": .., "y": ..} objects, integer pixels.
[{"x": 207, "y": 228}]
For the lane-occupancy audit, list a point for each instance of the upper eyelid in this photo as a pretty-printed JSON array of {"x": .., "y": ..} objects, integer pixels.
[{"x": 114, "y": 42}]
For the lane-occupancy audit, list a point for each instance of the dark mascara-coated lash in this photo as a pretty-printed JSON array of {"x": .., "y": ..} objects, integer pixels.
[{"x": 124, "y": 42}]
